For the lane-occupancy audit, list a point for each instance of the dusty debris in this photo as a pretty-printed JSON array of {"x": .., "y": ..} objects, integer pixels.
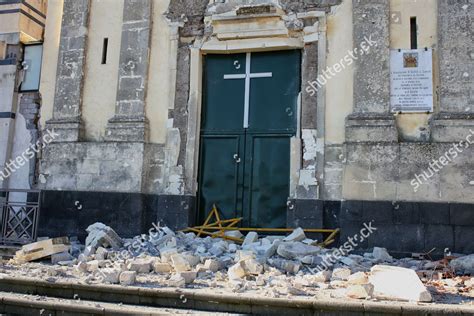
[{"x": 266, "y": 264}]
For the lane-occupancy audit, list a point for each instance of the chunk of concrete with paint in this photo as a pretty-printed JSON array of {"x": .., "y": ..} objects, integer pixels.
[
  {"x": 296, "y": 235},
  {"x": 295, "y": 250},
  {"x": 396, "y": 283}
]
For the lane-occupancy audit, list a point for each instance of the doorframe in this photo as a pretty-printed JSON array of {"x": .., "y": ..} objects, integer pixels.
[{"x": 200, "y": 48}]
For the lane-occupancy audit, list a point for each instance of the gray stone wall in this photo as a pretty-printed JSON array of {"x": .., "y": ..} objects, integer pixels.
[
  {"x": 104, "y": 167},
  {"x": 70, "y": 72},
  {"x": 456, "y": 55},
  {"x": 380, "y": 164},
  {"x": 129, "y": 122}
]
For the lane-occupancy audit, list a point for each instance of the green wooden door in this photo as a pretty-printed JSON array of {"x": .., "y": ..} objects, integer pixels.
[{"x": 249, "y": 115}]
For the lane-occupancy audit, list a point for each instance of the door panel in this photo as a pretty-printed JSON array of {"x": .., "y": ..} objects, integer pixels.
[
  {"x": 266, "y": 185},
  {"x": 220, "y": 175},
  {"x": 273, "y": 101},
  {"x": 223, "y": 99}
]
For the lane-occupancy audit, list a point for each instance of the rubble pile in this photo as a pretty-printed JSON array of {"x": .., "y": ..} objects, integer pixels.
[{"x": 273, "y": 265}]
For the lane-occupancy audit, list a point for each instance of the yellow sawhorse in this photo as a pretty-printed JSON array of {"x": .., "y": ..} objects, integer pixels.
[{"x": 219, "y": 227}]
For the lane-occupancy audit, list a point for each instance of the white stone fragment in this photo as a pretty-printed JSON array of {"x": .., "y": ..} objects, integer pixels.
[
  {"x": 162, "y": 267},
  {"x": 176, "y": 280},
  {"x": 340, "y": 274},
  {"x": 360, "y": 291},
  {"x": 128, "y": 277},
  {"x": 252, "y": 266},
  {"x": 101, "y": 253},
  {"x": 234, "y": 234},
  {"x": 110, "y": 275},
  {"x": 212, "y": 265},
  {"x": 179, "y": 263},
  {"x": 62, "y": 256},
  {"x": 140, "y": 265},
  {"x": 236, "y": 272},
  {"x": 381, "y": 255},
  {"x": 188, "y": 276},
  {"x": 358, "y": 278},
  {"x": 232, "y": 248},
  {"x": 296, "y": 235},
  {"x": 464, "y": 264},
  {"x": 250, "y": 238},
  {"x": 396, "y": 283},
  {"x": 295, "y": 250}
]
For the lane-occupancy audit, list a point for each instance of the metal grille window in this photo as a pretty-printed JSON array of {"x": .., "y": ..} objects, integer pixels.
[{"x": 32, "y": 66}]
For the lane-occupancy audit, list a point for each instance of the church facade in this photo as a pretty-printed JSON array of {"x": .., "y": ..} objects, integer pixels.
[{"x": 277, "y": 111}]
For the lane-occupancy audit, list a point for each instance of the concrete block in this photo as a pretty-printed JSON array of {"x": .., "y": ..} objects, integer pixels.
[
  {"x": 110, "y": 275},
  {"x": 162, "y": 267},
  {"x": 250, "y": 238},
  {"x": 179, "y": 263},
  {"x": 128, "y": 277},
  {"x": 396, "y": 283},
  {"x": 140, "y": 265},
  {"x": 360, "y": 291}
]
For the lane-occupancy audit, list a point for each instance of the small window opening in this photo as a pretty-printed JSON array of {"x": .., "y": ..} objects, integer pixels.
[
  {"x": 104, "y": 50},
  {"x": 413, "y": 33}
]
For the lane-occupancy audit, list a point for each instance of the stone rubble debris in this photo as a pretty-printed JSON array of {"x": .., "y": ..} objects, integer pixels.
[
  {"x": 396, "y": 283},
  {"x": 278, "y": 265}
]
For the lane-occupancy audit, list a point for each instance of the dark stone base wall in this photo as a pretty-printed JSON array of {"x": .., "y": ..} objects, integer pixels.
[
  {"x": 69, "y": 213},
  {"x": 402, "y": 227}
]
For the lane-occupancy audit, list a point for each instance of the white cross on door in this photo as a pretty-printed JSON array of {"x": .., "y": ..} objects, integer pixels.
[{"x": 247, "y": 76}]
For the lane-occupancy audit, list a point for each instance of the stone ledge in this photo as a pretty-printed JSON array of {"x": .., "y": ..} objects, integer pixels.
[
  {"x": 371, "y": 127},
  {"x": 219, "y": 302}
]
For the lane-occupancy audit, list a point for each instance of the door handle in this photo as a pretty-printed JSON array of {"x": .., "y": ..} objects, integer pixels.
[{"x": 236, "y": 158}]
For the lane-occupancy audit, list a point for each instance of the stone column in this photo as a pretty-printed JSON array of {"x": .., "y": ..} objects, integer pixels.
[
  {"x": 456, "y": 71},
  {"x": 66, "y": 119},
  {"x": 129, "y": 123},
  {"x": 371, "y": 119}
]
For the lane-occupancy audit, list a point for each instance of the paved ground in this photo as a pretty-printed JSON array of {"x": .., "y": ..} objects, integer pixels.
[{"x": 21, "y": 304}]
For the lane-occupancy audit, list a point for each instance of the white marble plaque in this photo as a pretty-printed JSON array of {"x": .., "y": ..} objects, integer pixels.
[{"x": 411, "y": 80}]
